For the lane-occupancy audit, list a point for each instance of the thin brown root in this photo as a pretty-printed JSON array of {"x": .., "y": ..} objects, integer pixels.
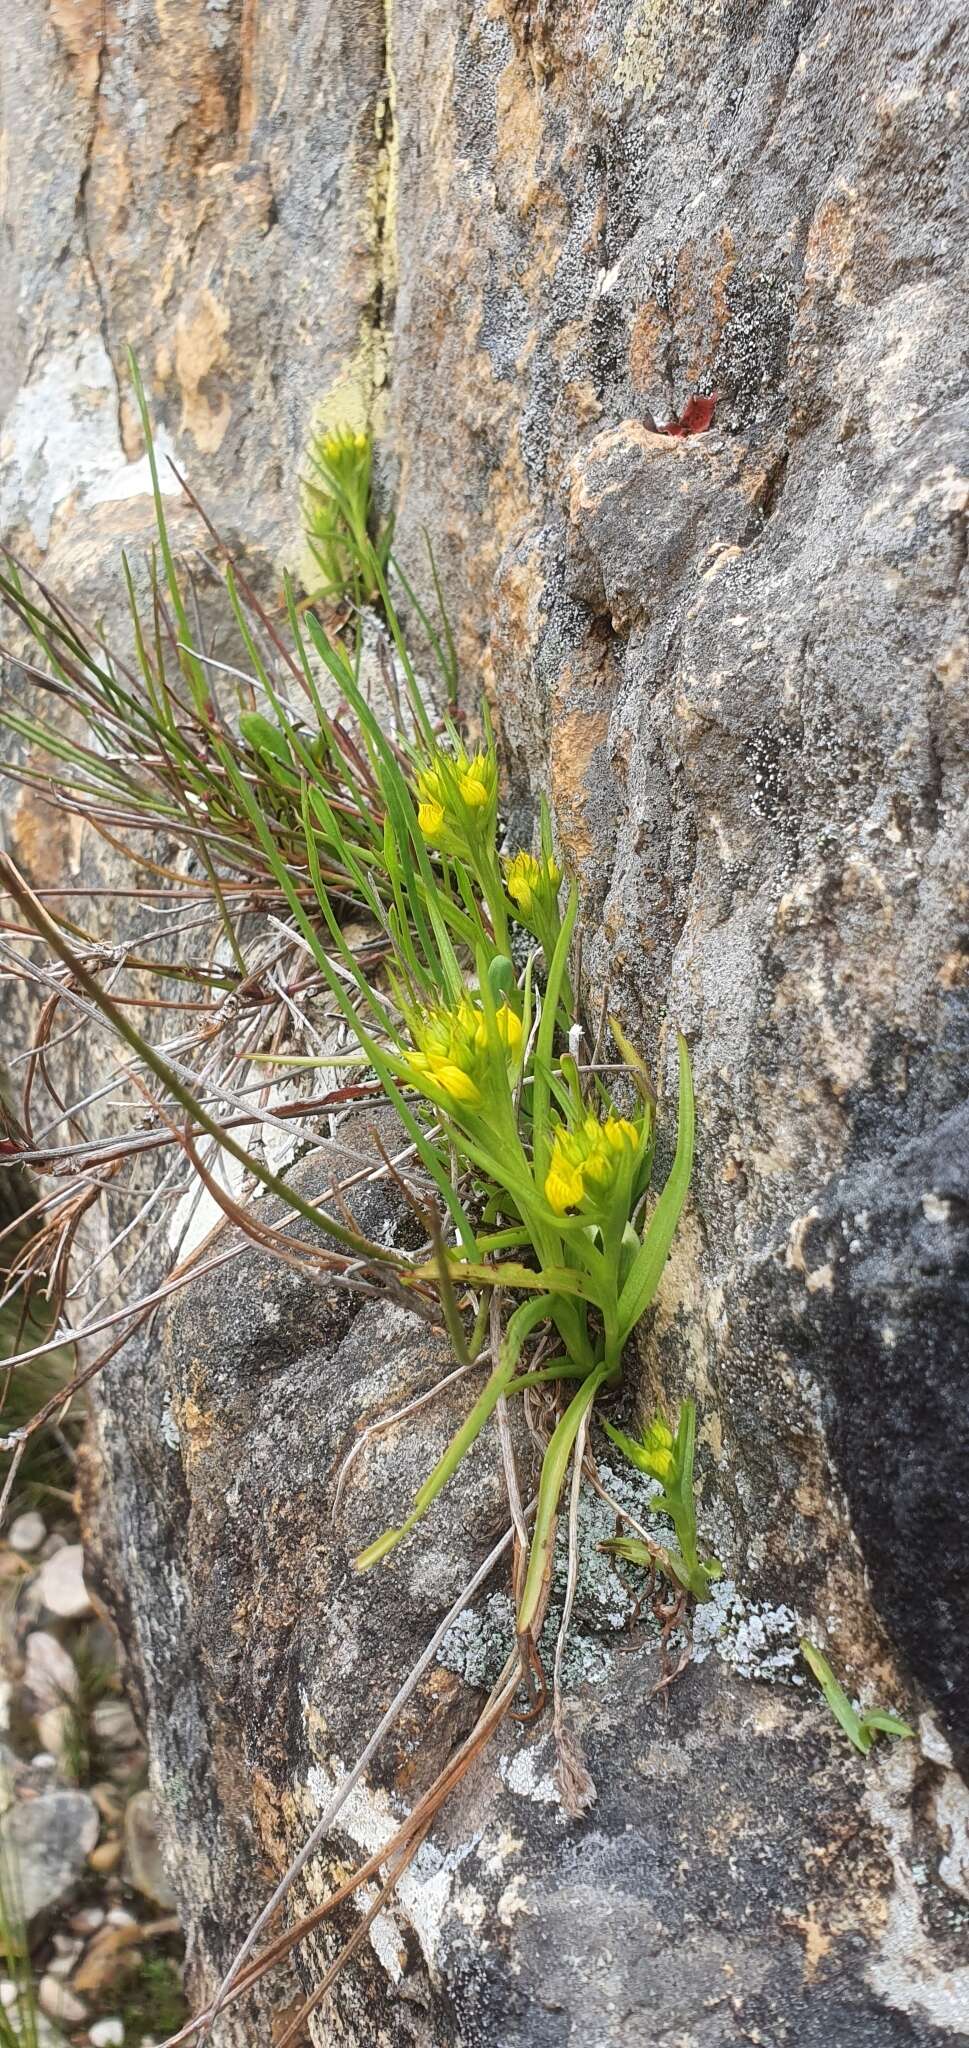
[
  {"x": 349, "y": 1948},
  {"x": 400, "y": 1849}
]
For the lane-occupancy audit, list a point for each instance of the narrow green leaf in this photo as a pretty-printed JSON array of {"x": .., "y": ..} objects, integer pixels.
[
  {"x": 647, "y": 1267},
  {"x": 836, "y": 1696},
  {"x": 521, "y": 1323}
]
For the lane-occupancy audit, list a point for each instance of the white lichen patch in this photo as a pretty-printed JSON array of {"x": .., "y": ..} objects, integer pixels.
[
  {"x": 513, "y": 1901},
  {"x": 171, "y": 1434},
  {"x": 753, "y": 1638},
  {"x": 906, "y": 1971},
  {"x": 952, "y": 1821},
  {"x": 424, "y": 1894},
  {"x": 523, "y": 1774},
  {"x": 494, "y": 1859}
]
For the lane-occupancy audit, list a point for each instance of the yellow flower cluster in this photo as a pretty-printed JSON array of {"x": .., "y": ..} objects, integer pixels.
[
  {"x": 586, "y": 1160},
  {"x": 532, "y": 884},
  {"x": 451, "y": 1050},
  {"x": 343, "y": 444},
  {"x": 458, "y": 797}
]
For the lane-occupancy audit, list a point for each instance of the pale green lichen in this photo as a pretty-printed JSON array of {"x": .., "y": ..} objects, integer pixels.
[
  {"x": 654, "y": 29},
  {"x": 754, "y": 1639},
  {"x": 643, "y": 60},
  {"x": 478, "y": 1644}
]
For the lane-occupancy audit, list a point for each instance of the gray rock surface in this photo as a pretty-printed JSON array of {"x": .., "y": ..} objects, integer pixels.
[{"x": 504, "y": 234}]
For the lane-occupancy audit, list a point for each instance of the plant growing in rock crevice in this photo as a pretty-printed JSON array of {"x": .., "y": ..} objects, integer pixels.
[{"x": 299, "y": 800}]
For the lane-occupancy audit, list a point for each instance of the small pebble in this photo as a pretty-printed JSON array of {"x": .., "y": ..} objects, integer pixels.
[
  {"x": 105, "y": 1797},
  {"x": 106, "y": 2034},
  {"x": 106, "y": 1856},
  {"x": 49, "y": 1671},
  {"x": 59, "y": 2003},
  {"x": 60, "y": 1967},
  {"x": 43, "y": 1761},
  {"x": 8, "y": 1993},
  {"x": 61, "y": 1584},
  {"x": 52, "y": 1727},
  {"x": 118, "y": 1917},
  {"x": 27, "y": 1532},
  {"x": 88, "y": 1920},
  {"x": 114, "y": 1724},
  {"x": 68, "y": 1951}
]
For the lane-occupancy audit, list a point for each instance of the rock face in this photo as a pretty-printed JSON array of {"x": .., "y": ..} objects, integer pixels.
[
  {"x": 510, "y": 236},
  {"x": 743, "y": 1873}
]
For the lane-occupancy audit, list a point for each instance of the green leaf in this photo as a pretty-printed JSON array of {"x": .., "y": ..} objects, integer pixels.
[
  {"x": 635, "y": 1452},
  {"x": 631, "y": 1548},
  {"x": 647, "y": 1267},
  {"x": 836, "y": 1696},
  {"x": 543, "y": 1048},
  {"x": 887, "y": 1724},
  {"x": 264, "y": 737},
  {"x": 522, "y": 1322}
]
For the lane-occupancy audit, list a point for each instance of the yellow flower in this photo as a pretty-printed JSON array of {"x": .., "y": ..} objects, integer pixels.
[
  {"x": 452, "y": 1055},
  {"x": 456, "y": 1082},
  {"x": 530, "y": 881},
  {"x": 430, "y": 817},
  {"x": 343, "y": 443},
  {"x": 458, "y": 799},
  {"x": 472, "y": 786},
  {"x": 587, "y": 1159},
  {"x": 509, "y": 1028},
  {"x": 564, "y": 1187}
]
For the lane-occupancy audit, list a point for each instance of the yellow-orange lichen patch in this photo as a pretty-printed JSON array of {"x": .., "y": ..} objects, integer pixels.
[
  {"x": 721, "y": 286},
  {"x": 830, "y": 250},
  {"x": 200, "y": 353},
  {"x": 45, "y": 843},
  {"x": 520, "y": 134},
  {"x": 649, "y": 331},
  {"x": 196, "y": 1427},
  {"x": 574, "y": 740},
  {"x": 79, "y": 28}
]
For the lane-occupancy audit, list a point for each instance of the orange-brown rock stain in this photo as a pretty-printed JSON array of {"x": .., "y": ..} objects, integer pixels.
[{"x": 575, "y": 738}]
